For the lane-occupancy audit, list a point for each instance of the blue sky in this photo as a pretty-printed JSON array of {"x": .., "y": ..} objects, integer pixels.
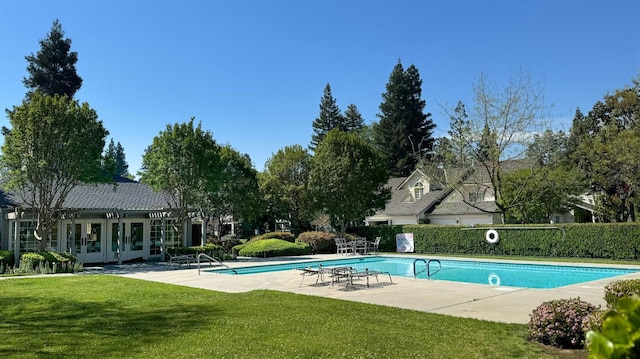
[{"x": 253, "y": 72}]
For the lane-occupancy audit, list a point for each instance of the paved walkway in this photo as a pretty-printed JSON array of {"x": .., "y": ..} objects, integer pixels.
[{"x": 500, "y": 304}]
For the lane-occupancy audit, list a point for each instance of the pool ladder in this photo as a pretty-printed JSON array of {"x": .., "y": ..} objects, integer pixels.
[
  {"x": 427, "y": 264},
  {"x": 213, "y": 260}
]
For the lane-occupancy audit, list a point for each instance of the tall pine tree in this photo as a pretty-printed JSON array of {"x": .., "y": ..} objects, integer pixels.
[
  {"x": 330, "y": 118},
  {"x": 404, "y": 133},
  {"x": 53, "y": 69},
  {"x": 353, "y": 120},
  {"x": 115, "y": 161}
]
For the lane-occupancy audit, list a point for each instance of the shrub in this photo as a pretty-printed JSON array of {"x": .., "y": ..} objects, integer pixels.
[
  {"x": 46, "y": 262},
  {"x": 273, "y": 248},
  {"x": 560, "y": 322},
  {"x": 320, "y": 242},
  {"x": 620, "y": 334},
  {"x": 285, "y": 236},
  {"x": 6, "y": 260},
  {"x": 619, "y": 289}
]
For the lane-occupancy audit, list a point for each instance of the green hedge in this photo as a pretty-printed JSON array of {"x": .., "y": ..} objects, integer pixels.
[
  {"x": 273, "y": 248},
  {"x": 7, "y": 260},
  {"x": 597, "y": 240},
  {"x": 48, "y": 262}
]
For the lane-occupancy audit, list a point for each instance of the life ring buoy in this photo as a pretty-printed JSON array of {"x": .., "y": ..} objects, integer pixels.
[
  {"x": 494, "y": 279},
  {"x": 492, "y": 236}
]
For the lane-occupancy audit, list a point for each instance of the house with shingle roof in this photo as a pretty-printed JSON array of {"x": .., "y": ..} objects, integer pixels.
[
  {"x": 105, "y": 222},
  {"x": 426, "y": 198}
]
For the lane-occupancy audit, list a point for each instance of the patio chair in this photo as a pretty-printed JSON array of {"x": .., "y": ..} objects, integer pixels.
[
  {"x": 360, "y": 246},
  {"x": 342, "y": 247},
  {"x": 373, "y": 246}
]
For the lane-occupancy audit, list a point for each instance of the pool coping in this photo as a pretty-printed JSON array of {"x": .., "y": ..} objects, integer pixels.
[{"x": 478, "y": 301}]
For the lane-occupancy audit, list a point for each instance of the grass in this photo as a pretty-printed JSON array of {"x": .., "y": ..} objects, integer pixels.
[{"x": 101, "y": 316}]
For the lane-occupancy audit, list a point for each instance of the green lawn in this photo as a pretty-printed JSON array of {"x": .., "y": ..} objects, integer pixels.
[{"x": 100, "y": 316}]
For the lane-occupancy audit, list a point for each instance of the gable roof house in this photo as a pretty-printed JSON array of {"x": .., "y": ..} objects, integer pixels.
[
  {"x": 100, "y": 223},
  {"x": 419, "y": 198}
]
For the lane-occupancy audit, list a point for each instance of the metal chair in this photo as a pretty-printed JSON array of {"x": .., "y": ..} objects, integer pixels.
[{"x": 373, "y": 246}]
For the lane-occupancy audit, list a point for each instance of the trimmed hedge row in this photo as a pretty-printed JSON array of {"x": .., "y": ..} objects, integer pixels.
[
  {"x": 593, "y": 240},
  {"x": 48, "y": 262},
  {"x": 272, "y": 247}
]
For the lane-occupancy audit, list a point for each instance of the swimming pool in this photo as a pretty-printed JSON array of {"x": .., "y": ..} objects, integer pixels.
[{"x": 490, "y": 273}]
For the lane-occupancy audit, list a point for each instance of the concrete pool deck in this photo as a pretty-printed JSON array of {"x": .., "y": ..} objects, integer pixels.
[{"x": 486, "y": 302}]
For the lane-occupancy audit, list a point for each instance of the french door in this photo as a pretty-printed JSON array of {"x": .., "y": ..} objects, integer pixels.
[
  {"x": 87, "y": 240},
  {"x": 133, "y": 234}
]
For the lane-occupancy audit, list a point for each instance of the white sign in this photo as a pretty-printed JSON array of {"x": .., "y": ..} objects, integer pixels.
[{"x": 404, "y": 242}]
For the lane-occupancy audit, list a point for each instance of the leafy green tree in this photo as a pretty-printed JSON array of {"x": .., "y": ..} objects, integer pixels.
[
  {"x": 183, "y": 163},
  {"x": 284, "y": 186},
  {"x": 53, "y": 69},
  {"x": 347, "y": 179},
  {"x": 604, "y": 145},
  {"x": 235, "y": 193},
  {"x": 329, "y": 118},
  {"x": 404, "y": 131},
  {"x": 115, "y": 161},
  {"x": 53, "y": 145}
]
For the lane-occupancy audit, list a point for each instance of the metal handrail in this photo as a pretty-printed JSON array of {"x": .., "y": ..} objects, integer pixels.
[
  {"x": 211, "y": 259},
  {"x": 427, "y": 264},
  {"x": 429, "y": 267}
]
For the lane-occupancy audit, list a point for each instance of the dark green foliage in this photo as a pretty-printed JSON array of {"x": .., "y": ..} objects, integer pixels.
[
  {"x": 320, "y": 242},
  {"x": 329, "y": 118},
  {"x": 115, "y": 161},
  {"x": 283, "y": 186},
  {"x": 404, "y": 131},
  {"x": 347, "y": 179},
  {"x": 599, "y": 240},
  {"x": 7, "y": 260},
  {"x": 52, "y": 70},
  {"x": 273, "y": 248},
  {"x": 619, "y": 289}
]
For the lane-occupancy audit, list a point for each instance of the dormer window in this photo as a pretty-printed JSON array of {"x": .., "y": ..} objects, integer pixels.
[{"x": 418, "y": 190}]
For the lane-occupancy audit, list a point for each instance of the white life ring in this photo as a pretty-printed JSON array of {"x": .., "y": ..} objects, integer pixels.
[
  {"x": 492, "y": 236},
  {"x": 494, "y": 279}
]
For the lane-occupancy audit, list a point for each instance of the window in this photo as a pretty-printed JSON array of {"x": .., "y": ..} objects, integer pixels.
[
  {"x": 477, "y": 196},
  {"x": 418, "y": 190}
]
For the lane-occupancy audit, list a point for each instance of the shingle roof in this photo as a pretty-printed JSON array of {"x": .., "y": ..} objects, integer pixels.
[
  {"x": 124, "y": 194},
  {"x": 398, "y": 206},
  {"x": 463, "y": 208}
]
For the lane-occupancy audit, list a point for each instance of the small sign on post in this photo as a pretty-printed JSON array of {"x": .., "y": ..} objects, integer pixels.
[{"x": 404, "y": 242}]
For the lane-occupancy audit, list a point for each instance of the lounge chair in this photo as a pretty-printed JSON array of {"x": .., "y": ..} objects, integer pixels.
[{"x": 309, "y": 271}]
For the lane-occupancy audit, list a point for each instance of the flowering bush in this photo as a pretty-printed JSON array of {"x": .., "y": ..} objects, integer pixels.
[
  {"x": 560, "y": 322},
  {"x": 614, "y": 291}
]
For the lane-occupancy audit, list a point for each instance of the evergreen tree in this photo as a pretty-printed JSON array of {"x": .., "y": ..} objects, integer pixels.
[
  {"x": 115, "y": 161},
  {"x": 352, "y": 120},
  {"x": 404, "y": 131},
  {"x": 330, "y": 118},
  {"x": 53, "y": 69},
  {"x": 460, "y": 132}
]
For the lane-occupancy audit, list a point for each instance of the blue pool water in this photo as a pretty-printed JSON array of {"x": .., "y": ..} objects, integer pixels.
[{"x": 490, "y": 273}]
